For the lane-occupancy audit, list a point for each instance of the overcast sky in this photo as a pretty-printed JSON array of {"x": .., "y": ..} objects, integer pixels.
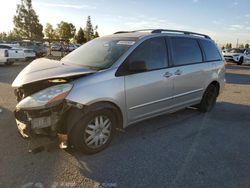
[{"x": 224, "y": 20}]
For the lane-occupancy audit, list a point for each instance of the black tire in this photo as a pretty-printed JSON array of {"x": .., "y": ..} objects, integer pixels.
[
  {"x": 240, "y": 61},
  {"x": 77, "y": 137},
  {"x": 9, "y": 63},
  {"x": 209, "y": 99}
]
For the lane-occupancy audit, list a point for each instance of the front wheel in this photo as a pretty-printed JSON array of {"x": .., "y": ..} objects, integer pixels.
[
  {"x": 93, "y": 132},
  {"x": 209, "y": 98},
  {"x": 240, "y": 61}
]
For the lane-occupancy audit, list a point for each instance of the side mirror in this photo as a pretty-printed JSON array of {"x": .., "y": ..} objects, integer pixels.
[{"x": 137, "y": 66}]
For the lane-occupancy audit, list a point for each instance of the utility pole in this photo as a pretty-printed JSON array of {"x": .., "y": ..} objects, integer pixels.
[{"x": 237, "y": 44}]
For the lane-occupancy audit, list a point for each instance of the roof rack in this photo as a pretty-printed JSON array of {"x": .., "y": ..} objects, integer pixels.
[{"x": 165, "y": 31}]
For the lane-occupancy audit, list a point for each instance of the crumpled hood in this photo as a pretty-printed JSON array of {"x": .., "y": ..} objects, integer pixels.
[{"x": 43, "y": 69}]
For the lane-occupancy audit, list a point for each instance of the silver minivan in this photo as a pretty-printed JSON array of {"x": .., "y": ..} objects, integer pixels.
[{"x": 114, "y": 81}]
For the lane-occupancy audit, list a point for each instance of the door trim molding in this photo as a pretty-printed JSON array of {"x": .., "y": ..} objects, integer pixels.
[{"x": 165, "y": 99}]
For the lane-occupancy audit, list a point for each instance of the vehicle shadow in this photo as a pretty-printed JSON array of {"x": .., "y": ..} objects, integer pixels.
[
  {"x": 157, "y": 152},
  {"x": 234, "y": 78}
]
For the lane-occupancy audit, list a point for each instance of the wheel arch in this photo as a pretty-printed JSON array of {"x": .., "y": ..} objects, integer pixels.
[{"x": 75, "y": 114}]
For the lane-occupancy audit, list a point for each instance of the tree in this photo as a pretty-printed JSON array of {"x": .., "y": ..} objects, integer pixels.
[
  {"x": 80, "y": 39},
  {"x": 49, "y": 32},
  {"x": 241, "y": 46},
  {"x": 10, "y": 36},
  {"x": 228, "y": 45},
  {"x": 96, "y": 34},
  {"x": 89, "y": 31},
  {"x": 26, "y": 21},
  {"x": 65, "y": 30},
  {"x": 247, "y": 45},
  {"x": 3, "y": 36},
  {"x": 13, "y": 36}
]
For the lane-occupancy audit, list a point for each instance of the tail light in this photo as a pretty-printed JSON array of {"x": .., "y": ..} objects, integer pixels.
[{"x": 6, "y": 53}]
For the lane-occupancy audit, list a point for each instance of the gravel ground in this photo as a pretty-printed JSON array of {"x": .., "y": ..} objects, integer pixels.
[{"x": 182, "y": 149}]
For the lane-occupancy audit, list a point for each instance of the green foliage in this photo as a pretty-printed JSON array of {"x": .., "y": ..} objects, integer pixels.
[
  {"x": 49, "y": 32},
  {"x": 247, "y": 45},
  {"x": 89, "y": 31},
  {"x": 229, "y": 45},
  {"x": 3, "y": 36},
  {"x": 10, "y": 36},
  {"x": 80, "y": 39},
  {"x": 96, "y": 34},
  {"x": 26, "y": 21},
  {"x": 65, "y": 30},
  {"x": 241, "y": 46}
]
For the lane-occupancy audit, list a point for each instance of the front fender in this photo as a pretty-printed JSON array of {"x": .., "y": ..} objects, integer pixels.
[{"x": 100, "y": 87}]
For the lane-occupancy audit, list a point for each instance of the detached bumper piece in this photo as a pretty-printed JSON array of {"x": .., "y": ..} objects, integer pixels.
[
  {"x": 37, "y": 125},
  {"x": 33, "y": 123}
]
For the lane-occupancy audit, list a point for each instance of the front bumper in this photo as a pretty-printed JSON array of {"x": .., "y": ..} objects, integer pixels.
[
  {"x": 232, "y": 58},
  {"x": 44, "y": 122}
]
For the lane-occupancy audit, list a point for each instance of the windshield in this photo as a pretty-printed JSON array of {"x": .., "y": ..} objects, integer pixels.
[{"x": 100, "y": 53}]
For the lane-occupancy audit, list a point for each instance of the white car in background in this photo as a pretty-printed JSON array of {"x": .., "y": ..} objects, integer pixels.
[
  {"x": 8, "y": 54},
  {"x": 237, "y": 55},
  {"x": 29, "y": 54}
]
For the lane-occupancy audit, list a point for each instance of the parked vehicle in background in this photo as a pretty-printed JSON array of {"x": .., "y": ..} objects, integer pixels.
[
  {"x": 247, "y": 55},
  {"x": 29, "y": 54},
  {"x": 38, "y": 47},
  {"x": 8, "y": 54},
  {"x": 71, "y": 47},
  {"x": 56, "y": 47},
  {"x": 226, "y": 50},
  {"x": 64, "y": 47},
  {"x": 235, "y": 55},
  {"x": 115, "y": 81}
]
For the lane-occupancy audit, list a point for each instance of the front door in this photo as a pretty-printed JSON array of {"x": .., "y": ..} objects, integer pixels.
[{"x": 149, "y": 92}]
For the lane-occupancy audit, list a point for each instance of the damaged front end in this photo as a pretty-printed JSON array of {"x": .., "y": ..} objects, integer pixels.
[{"x": 41, "y": 112}]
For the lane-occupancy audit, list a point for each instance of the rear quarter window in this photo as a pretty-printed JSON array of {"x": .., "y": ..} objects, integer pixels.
[
  {"x": 185, "y": 51},
  {"x": 211, "y": 51}
]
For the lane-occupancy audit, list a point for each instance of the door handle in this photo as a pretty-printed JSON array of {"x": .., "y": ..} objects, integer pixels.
[
  {"x": 168, "y": 74},
  {"x": 178, "y": 72}
]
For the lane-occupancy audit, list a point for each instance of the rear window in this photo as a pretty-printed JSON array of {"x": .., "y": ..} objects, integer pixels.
[
  {"x": 211, "y": 51},
  {"x": 185, "y": 51}
]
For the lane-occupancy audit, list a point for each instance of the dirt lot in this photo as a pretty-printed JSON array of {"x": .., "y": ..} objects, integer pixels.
[{"x": 183, "y": 149}]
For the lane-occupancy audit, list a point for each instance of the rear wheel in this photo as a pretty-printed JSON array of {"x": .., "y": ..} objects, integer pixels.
[
  {"x": 240, "y": 61},
  {"x": 93, "y": 132},
  {"x": 209, "y": 98}
]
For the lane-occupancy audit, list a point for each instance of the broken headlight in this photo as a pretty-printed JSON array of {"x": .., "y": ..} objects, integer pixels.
[{"x": 46, "y": 98}]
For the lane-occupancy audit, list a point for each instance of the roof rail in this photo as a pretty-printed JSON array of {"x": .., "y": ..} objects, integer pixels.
[
  {"x": 120, "y": 32},
  {"x": 179, "y": 31},
  {"x": 166, "y": 31}
]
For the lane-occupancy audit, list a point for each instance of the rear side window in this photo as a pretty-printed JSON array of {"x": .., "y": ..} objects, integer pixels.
[
  {"x": 185, "y": 51},
  {"x": 153, "y": 52},
  {"x": 5, "y": 47},
  {"x": 210, "y": 50}
]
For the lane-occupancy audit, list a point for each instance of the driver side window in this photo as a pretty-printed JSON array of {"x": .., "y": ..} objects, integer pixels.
[{"x": 152, "y": 52}]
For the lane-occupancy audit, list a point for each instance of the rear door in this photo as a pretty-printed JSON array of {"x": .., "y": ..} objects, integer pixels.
[
  {"x": 149, "y": 92},
  {"x": 189, "y": 70}
]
